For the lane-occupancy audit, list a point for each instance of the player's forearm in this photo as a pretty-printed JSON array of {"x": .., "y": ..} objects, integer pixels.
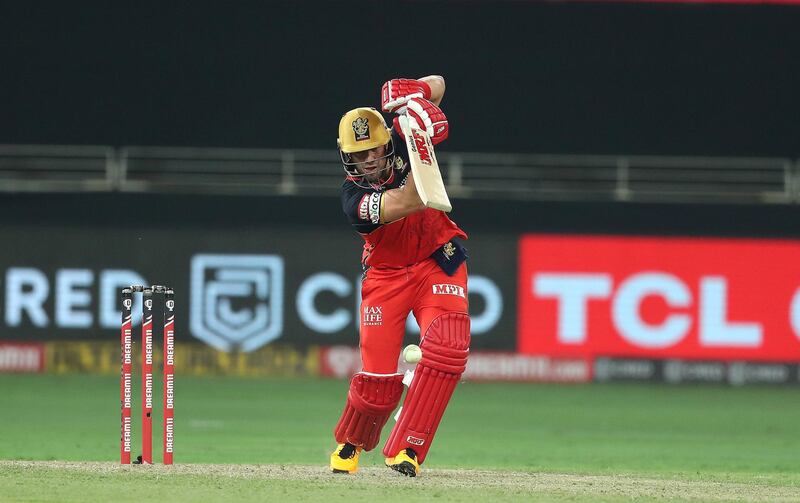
[
  {"x": 401, "y": 202},
  {"x": 436, "y": 83}
]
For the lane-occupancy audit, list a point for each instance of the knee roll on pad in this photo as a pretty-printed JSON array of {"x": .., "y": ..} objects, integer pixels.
[
  {"x": 370, "y": 401},
  {"x": 445, "y": 348}
]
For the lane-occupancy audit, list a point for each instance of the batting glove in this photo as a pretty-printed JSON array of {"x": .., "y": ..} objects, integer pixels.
[
  {"x": 425, "y": 115},
  {"x": 395, "y": 93}
]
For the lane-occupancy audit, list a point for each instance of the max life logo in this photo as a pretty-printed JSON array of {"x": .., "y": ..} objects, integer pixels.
[
  {"x": 422, "y": 147},
  {"x": 372, "y": 316},
  {"x": 716, "y": 299}
]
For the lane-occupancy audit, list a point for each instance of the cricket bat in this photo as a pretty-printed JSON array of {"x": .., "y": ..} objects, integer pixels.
[{"x": 425, "y": 168}]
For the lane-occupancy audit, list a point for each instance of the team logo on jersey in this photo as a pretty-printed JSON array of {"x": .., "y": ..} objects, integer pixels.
[
  {"x": 361, "y": 128},
  {"x": 449, "y": 250}
]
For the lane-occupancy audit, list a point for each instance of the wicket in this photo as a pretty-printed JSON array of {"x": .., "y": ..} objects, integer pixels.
[{"x": 126, "y": 388}]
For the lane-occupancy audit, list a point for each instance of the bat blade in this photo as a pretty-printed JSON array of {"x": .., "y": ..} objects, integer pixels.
[{"x": 425, "y": 167}]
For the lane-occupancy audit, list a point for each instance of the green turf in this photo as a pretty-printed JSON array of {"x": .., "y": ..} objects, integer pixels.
[
  {"x": 517, "y": 426},
  {"x": 658, "y": 431}
]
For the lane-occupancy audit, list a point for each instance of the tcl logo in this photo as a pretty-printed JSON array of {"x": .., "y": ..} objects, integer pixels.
[
  {"x": 658, "y": 297},
  {"x": 573, "y": 292}
]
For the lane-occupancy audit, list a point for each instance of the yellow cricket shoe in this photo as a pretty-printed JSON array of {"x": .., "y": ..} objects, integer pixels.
[
  {"x": 345, "y": 458},
  {"x": 405, "y": 462}
]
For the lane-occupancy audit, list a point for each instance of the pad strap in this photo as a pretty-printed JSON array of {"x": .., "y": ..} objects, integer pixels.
[
  {"x": 370, "y": 401},
  {"x": 445, "y": 349}
]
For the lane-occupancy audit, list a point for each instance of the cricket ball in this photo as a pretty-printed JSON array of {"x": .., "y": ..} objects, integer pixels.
[{"x": 412, "y": 353}]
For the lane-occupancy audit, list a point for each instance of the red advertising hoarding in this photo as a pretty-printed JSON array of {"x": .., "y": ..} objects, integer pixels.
[
  {"x": 344, "y": 361},
  {"x": 658, "y": 297},
  {"x": 21, "y": 357},
  {"x": 737, "y": 2}
]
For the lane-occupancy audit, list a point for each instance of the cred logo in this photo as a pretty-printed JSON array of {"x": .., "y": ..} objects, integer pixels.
[{"x": 237, "y": 300}]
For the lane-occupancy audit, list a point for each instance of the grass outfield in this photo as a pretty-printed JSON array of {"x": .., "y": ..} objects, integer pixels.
[{"x": 258, "y": 440}]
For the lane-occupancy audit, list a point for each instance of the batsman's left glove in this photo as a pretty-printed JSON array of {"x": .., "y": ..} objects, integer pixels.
[
  {"x": 395, "y": 93},
  {"x": 425, "y": 115}
]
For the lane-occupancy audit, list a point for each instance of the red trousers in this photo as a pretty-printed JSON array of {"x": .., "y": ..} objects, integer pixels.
[{"x": 388, "y": 295}]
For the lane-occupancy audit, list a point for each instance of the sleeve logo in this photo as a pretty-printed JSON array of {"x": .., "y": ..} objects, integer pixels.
[
  {"x": 375, "y": 207},
  {"x": 363, "y": 208}
]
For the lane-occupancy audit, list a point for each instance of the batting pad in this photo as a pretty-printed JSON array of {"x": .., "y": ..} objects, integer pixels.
[
  {"x": 445, "y": 348},
  {"x": 370, "y": 402}
]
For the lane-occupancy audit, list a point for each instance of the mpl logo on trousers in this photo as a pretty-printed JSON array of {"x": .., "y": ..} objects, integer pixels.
[
  {"x": 447, "y": 289},
  {"x": 237, "y": 300}
]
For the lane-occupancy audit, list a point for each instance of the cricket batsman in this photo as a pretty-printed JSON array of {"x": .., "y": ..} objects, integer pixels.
[{"x": 412, "y": 262}]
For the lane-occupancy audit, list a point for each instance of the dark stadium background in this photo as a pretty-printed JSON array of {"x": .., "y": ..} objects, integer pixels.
[{"x": 545, "y": 77}]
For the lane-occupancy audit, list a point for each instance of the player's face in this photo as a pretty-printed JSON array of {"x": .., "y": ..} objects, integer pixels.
[{"x": 370, "y": 163}]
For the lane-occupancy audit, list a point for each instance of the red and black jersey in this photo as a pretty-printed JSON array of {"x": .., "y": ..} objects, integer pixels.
[{"x": 403, "y": 242}]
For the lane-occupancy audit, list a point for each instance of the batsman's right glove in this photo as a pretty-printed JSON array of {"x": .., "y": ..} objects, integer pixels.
[
  {"x": 425, "y": 115},
  {"x": 395, "y": 93}
]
